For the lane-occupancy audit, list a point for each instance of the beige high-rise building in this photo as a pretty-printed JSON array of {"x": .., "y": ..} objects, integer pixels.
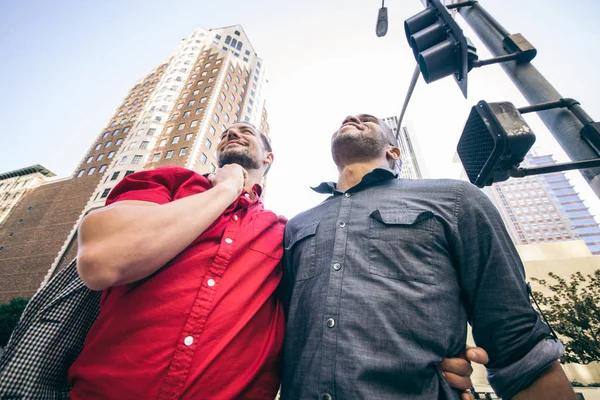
[
  {"x": 14, "y": 184},
  {"x": 173, "y": 116}
]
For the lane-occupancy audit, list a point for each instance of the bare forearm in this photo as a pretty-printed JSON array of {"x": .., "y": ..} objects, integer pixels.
[
  {"x": 552, "y": 383},
  {"x": 127, "y": 242}
]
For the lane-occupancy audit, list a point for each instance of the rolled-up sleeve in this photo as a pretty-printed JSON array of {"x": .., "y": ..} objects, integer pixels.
[{"x": 494, "y": 290}]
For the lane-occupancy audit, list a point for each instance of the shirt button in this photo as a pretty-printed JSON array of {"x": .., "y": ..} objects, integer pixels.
[
  {"x": 235, "y": 218},
  {"x": 188, "y": 341},
  {"x": 326, "y": 396},
  {"x": 337, "y": 266},
  {"x": 330, "y": 322},
  {"x": 342, "y": 224},
  {"x": 228, "y": 241},
  {"x": 347, "y": 194},
  {"x": 211, "y": 282},
  {"x": 247, "y": 195}
]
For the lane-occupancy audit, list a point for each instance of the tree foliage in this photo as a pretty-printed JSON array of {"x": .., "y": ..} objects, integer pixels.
[
  {"x": 9, "y": 316},
  {"x": 573, "y": 311}
]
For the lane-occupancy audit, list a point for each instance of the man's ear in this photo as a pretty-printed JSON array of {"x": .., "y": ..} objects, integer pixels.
[
  {"x": 393, "y": 153},
  {"x": 269, "y": 158}
]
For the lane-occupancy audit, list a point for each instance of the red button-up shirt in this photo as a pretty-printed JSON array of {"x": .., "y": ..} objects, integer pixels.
[{"x": 205, "y": 326}]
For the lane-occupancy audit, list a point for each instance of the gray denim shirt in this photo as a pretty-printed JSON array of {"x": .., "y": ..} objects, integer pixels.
[{"x": 380, "y": 282}]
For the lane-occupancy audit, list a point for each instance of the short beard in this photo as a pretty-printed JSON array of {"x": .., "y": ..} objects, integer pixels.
[
  {"x": 243, "y": 159},
  {"x": 346, "y": 149}
]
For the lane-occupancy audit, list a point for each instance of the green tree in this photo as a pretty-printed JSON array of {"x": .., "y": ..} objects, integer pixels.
[
  {"x": 9, "y": 316},
  {"x": 573, "y": 311}
]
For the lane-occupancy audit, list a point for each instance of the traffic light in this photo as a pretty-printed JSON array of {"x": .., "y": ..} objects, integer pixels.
[
  {"x": 494, "y": 142},
  {"x": 438, "y": 44}
]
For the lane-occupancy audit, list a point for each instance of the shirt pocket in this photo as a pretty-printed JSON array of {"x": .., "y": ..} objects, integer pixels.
[
  {"x": 400, "y": 244},
  {"x": 267, "y": 235},
  {"x": 302, "y": 250}
]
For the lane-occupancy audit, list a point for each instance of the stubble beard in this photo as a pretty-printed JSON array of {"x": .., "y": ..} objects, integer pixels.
[
  {"x": 346, "y": 149},
  {"x": 242, "y": 158}
]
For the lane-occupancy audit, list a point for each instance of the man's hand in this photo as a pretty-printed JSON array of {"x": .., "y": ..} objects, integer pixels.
[
  {"x": 231, "y": 175},
  {"x": 457, "y": 371}
]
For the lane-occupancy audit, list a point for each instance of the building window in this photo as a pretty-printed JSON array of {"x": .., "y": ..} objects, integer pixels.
[
  {"x": 105, "y": 135},
  {"x": 123, "y": 160},
  {"x": 110, "y": 155},
  {"x": 212, "y": 168},
  {"x": 105, "y": 193},
  {"x": 186, "y": 114},
  {"x": 169, "y": 154},
  {"x": 129, "y": 173},
  {"x": 144, "y": 145},
  {"x": 91, "y": 171},
  {"x": 114, "y": 176},
  {"x": 188, "y": 137},
  {"x": 98, "y": 146},
  {"x": 216, "y": 118},
  {"x": 198, "y": 111},
  {"x": 169, "y": 130},
  {"x": 183, "y": 151},
  {"x": 203, "y": 100},
  {"x": 80, "y": 173},
  {"x": 118, "y": 142},
  {"x": 208, "y": 144},
  {"x": 102, "y": 168},
  {"x": 175, "y": 140},
  {"x": 203, "y": 158},
  {"x": 89, "y": 160},
  {"x": 136, "y": 159},
  {"x": 212, "y": 130},
  {"x": 162, "y": 143},
  {"x": 107, "y": 145},
  {"x": 155, "y": 157},
  {"x": 220, "y": 107},
  {"x": 180, "y": 127},
  {"x": 194, "y": 123}
]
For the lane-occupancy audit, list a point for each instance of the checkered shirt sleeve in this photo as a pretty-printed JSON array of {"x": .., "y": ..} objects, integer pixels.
[{"x": 48, "y": 338}]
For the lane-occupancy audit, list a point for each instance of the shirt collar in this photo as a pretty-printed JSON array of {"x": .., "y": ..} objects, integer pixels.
[{"x": 377, "y": 175}]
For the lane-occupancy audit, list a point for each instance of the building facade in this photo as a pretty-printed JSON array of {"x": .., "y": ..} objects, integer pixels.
[
  {"x": 14, "y": 184},
  {"x": 172, "y": 117},
  {"x": 544, "y": 208},
  {"x": 412, "y": 161}
]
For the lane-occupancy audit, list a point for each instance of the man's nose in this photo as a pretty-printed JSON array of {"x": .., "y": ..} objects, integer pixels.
[{"x": 351, "y": 118}]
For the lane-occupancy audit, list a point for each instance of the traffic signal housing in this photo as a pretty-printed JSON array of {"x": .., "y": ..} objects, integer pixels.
[
  {"x": 494, "y": 142},
  {"x": 439, "y": 45}
]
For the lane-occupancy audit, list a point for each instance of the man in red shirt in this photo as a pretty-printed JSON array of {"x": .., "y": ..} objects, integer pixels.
[{"x": 189, "y": 266}]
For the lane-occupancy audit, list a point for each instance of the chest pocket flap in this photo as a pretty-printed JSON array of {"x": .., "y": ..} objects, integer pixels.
[{"x": 302, "y": 251}]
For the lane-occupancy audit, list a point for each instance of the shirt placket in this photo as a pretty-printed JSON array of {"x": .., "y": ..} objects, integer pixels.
[
  {"x": 331, "y": 318},
  {"x": 174, "y": 382}
]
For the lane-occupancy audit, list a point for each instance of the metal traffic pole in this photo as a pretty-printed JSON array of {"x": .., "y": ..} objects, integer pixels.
[{"x": 561, "y": 122}]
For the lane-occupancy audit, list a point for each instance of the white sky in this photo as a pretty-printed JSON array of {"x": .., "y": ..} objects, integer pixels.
[{"x": 67, "y": 66}]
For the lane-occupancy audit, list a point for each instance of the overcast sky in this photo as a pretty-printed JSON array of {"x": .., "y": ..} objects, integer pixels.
[{"x": 66, "y": 65}]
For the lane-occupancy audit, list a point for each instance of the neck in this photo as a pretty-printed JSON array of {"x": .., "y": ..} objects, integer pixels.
[
  {"x": 254, "y": 177},
  {"x": 351, "y": 174}
]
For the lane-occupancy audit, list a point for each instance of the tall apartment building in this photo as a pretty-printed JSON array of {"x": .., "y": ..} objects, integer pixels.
[
  {"x": 171, "y": 117},
  {"x": 413, "y": 164},
  {"x": 544, "y": 208},
  {"x": 14, "y": 184}
]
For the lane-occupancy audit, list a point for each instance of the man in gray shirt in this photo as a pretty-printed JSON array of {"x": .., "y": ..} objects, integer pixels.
[{"x": 381, "y": 279}]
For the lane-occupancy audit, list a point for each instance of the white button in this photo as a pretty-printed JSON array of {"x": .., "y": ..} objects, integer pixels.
[
  {"x": 188, "y": 341},
  {"x": 228, "y": 241},
  {"x": 347, "y": 194},
  {"x": 337, "y": 266},
  {"x": 330, "y": 322},
  {"x": 247, "y": 195},
  {"x": 235, "y": 218},
  {"x": 342, "y": 224},
  {"x": 211, "y": 282}
]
